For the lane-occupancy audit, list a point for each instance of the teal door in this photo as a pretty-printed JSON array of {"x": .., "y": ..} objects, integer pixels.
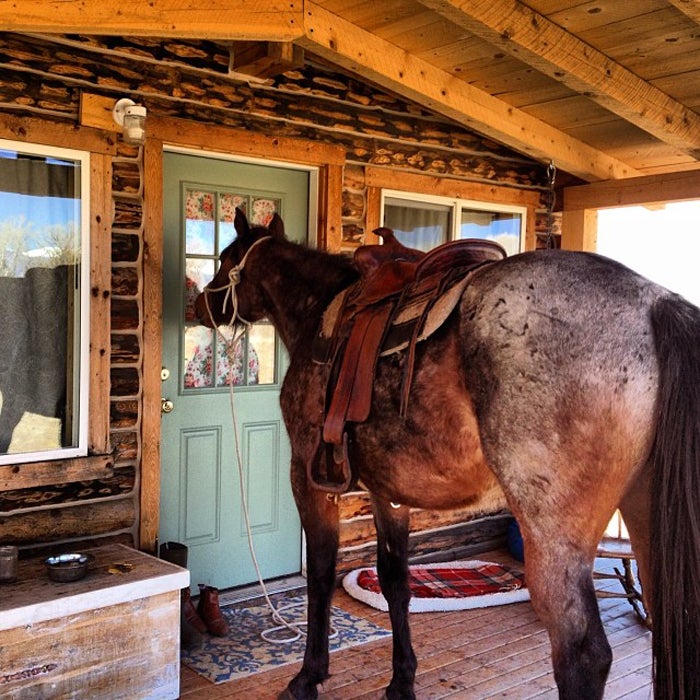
[{"x": 201, "y": 503}]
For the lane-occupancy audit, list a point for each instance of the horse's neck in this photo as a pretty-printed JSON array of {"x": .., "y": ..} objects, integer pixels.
[{"x": 299, "y": 285}]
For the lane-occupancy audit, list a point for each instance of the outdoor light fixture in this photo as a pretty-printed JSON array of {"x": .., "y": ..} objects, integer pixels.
[{"x": 132, "y": 118}]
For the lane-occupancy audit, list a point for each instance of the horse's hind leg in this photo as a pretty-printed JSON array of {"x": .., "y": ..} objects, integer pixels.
[
  {"x": 559, "y": 576},
  {"x": 392, "y": 570},
  {"x": 319, "y": 517}
]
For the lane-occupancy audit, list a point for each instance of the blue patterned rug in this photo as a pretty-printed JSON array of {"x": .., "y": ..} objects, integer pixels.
[{"x": 244, "y": 652}]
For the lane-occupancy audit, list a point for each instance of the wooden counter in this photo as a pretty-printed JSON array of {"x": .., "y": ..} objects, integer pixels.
[{"x": 113, "y": 634}]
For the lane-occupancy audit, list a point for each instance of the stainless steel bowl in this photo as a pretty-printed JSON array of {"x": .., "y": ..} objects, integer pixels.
[{"x": 67, "y": 567}]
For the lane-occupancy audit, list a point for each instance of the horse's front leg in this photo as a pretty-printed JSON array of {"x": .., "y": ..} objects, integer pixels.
[
  {"x": 392, "y": 569},
  {"x": 319, "y": 518}
]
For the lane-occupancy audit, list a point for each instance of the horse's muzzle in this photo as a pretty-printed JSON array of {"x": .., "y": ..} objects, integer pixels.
[{"x": 203, "y": 314}]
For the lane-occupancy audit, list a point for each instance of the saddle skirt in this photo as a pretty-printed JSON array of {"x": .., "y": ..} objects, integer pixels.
[{"x": 399, "y": 301}]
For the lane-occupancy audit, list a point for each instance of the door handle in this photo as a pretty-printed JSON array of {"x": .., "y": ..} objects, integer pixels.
[{"x": 166, "y": 405}]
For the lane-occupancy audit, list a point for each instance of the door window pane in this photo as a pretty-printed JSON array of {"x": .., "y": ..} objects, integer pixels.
[
  {"x": 44, "y": 341},
  {"x": 209, "y": 359},
  {"x": 200, "y": 230}
]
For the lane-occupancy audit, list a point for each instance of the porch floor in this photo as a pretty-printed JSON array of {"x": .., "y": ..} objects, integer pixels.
[{"x": 497, "y": 652}]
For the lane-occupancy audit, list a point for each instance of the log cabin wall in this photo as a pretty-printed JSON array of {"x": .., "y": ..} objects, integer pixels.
[{"x": 42, "y": 82}]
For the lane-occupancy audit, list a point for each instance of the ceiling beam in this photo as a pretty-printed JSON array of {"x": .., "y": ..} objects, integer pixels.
[
  {"x": 644, "y": 190},
  {"x": 262, "y": 20},
  {"x": 525, "y": 34},
  {"x": 361, "y": 52},
  {"x": 688, "y": 7}
]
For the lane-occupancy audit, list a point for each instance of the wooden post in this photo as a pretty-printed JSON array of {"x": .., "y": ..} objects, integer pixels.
[{"x": 579, "y": 229}]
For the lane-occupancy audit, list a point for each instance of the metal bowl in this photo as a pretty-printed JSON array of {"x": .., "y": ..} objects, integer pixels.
[{"x": 67, "y": 567}]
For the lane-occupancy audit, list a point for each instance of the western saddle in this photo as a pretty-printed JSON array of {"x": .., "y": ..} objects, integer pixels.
[{"x": 403, "y": 295}]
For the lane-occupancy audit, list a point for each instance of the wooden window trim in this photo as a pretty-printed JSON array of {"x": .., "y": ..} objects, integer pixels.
[
  {"x": 378, "y": 179},
  {"x": 101, "y": 148}
]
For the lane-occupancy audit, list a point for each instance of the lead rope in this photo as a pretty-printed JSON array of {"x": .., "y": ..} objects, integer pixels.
[{"x": 296, "y": 628}]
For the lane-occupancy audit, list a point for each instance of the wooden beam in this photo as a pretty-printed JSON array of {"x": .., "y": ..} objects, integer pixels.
[
  {"x": 579, "y": 230},
  {"x": 262, "y": 20},
  {"x": 265, "y": 59},
  {"x": 39, "y": 474},
  {"x": 361, "y": 52},
  {"x": 36, "y": 130},
  {"x": 386, "y": 178},
  {"x": 529, "y": 36},
  {"x": 100, "y": 301},
  {"x": 149, "y": 505},
  {"x": 688, "y": 7},
  {"x": 96, "y": 111},
  {"x": 210, "y": 137},
  {"x": 649, "y": 189}
]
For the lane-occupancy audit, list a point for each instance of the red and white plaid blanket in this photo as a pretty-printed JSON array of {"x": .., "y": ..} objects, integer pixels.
[{"x": 444, "y": 581}]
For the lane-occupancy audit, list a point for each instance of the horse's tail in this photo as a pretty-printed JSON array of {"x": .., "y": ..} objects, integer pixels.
[{"x": 675, "y": 508}]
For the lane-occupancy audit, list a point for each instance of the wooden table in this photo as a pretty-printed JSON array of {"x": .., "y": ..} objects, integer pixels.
[{"x": 113, "y": 634}]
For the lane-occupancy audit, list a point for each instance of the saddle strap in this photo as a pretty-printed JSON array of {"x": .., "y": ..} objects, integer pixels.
[{"x": 352, "y": 396}]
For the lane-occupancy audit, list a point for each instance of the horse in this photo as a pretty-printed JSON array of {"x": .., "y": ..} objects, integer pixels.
[{"x": 562, "y": 378}]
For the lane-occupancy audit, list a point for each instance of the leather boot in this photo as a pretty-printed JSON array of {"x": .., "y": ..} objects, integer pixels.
[
  {"x": 192, "y": 627},
  {"x": 209, "y": 610},
  {"x": 189, "y": 614}
]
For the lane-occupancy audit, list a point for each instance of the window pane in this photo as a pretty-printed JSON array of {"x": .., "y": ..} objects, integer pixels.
[
  {"x": 262, "y": 351},
  {"x": 200, "y": 228},
  {"x": 418, "y": 225},
  {"x": 199, "y": 366},
  {"x": 263, "y": 209},
  {"x": 209, "y": 362},
  {"x": 228, "y": 203},
  {"x": 502, "y": 227},
  {"x": 40, "y": 287}
]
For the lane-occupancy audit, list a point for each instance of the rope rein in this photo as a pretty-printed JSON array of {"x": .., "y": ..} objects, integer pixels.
[{"x": 234, "y": 276}]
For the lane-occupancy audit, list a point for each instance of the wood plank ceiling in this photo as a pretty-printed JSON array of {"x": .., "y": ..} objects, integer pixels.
[{"x": 606, "y": 89}]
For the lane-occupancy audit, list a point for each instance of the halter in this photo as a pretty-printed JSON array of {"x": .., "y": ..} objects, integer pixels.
[{"x": 234, "y": 277}]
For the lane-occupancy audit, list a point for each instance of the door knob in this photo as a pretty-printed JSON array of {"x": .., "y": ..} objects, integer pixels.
[{"x": 166, "y": 406}]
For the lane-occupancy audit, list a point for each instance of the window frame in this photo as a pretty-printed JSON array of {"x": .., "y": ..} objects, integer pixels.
[
  {"x": 83, "y": 393},
  {"x": 458, "y": 204}
]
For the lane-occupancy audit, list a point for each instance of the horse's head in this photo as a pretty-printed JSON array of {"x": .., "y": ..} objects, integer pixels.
[{"x": 234, "y": 294}]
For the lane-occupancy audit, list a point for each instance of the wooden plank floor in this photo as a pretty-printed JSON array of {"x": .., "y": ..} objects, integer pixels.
[{"x": 497, "y": 652}]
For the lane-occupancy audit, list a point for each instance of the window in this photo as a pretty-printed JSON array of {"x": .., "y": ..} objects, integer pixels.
[
  {"x": 425, "y": 222},
  {"x": 208, "y": 216},
  {"x": 44, "y": 282}
]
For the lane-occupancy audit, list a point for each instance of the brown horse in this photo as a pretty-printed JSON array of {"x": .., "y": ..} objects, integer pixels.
[{"x": 565, "y": 379}]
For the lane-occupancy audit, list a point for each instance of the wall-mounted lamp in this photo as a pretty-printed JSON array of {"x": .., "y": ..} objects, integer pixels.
[{"x": 132, "y": 117}]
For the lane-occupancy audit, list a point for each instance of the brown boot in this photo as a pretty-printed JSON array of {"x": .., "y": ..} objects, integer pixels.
[
  {"x": 189, "y": 614},
  {"x": 209, "y": 610}
]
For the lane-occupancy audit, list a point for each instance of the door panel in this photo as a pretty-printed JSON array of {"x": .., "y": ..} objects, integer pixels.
[{"x": 200, "y": 481}]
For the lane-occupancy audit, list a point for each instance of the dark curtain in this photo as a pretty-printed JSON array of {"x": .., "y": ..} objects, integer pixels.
[{"x": 33, "y": 346}]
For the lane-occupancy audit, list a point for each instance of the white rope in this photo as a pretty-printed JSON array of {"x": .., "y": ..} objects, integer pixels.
[
  {"x": 296, "y": 628},
  {"x": 234, "y": 277}
]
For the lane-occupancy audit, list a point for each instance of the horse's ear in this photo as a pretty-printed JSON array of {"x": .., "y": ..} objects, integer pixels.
[
  {"x": 276, "y": 226},
  {"x": 240, "y": 223}
]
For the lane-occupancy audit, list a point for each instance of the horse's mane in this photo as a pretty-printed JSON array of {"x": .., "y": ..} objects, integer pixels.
[
  {"x": 313, "y": 276},
  {"x": 327, "y": 271}
]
